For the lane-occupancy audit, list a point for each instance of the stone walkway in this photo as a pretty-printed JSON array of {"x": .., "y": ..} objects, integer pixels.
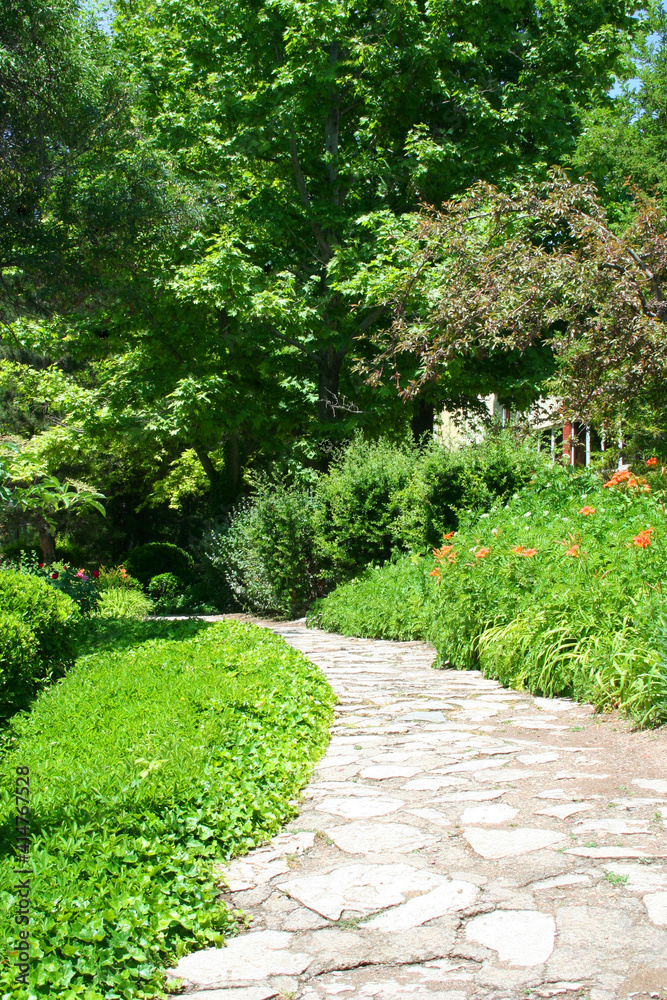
[{"x": 459, "y": 840}]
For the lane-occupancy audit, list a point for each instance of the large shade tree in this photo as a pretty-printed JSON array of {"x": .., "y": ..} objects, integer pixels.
[
  {"x": 538, "y": 267},
  {"x": 208, "y": 243},
  {"x": 306, "y": 127}
]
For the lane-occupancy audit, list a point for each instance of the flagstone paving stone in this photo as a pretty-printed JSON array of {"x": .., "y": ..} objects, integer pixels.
[
  {"x": 510, "y": 843},
  {"x": 374, "y": 838},
  {"x": 458, "y": 841},
  {"x": 455, "y": 895},
  {"x": 656, "y": 904},
  {"x": 492, "y": 814},
  {"x": 355, "y": 807},
  {"x": 359, "y": 888},
  {"x": 521, "y": 937},
  {"x": 565, "y": 810}
]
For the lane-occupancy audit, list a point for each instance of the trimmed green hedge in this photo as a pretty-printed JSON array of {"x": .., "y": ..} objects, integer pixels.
[
  {"x": 18, "y": 656},
  {"x": 147, "y": 765},
  {"x": 45, "y": 643}
]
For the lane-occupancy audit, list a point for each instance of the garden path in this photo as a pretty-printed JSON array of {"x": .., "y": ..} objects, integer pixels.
[{"x": 458, "y": 840}]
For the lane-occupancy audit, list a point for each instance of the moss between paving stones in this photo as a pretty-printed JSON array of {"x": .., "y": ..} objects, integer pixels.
[{"x": 146, "y": 765}]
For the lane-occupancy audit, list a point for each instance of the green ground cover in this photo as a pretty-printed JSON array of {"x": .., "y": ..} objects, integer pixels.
[
  {"x": 559, "y": 591},
  {"x": 167, "y": 747}
]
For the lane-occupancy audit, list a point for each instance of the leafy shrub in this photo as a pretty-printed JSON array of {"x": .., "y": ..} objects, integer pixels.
[
  {"x": 358, "y": 505},
  {"x": 164, "y": 588},
  {"x": 445, "y": 485},
  {"x": 21, "y": 548},
  {"x": 204, "y": 595},
  {"x": 80, "y": 584},
  {"x": 207, "y": 594},
  {"x": 559, "y": 591},
  {"x": 388, "y": 602},
  {"x": 223, "y": 729},
  {"x": 289, "y": 543},
  {"x": 51, "y": 616},
  {"x": 146, "y": 561},
  {"x": 266, "y": 553},
  {"x": 19, "y": 658},
  {"x": 124, "y": 602}
]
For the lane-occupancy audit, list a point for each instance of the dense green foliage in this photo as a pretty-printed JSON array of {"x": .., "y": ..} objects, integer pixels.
[
  {"x": 206, "y": 208},
  {"x": 358, "y": 505},
  {"x": 266, "y": 553},
  {"x": 163, "y": 589},
  {"x": 147, "y": 764},
  {"x": 623, "y": 142},
  {"x": 539, "y": 593},
  {"x": 146, "y": 561},
  {"x": 124, "y": 602},
  {"x": 539, "y": 269},
  {"x": 78, "y": 584},
  {"x": 57, "y": 97},
  {"x": 447, "y": 484},
  {"x": 295, "y": 540},
  {"x": 43, "y": 623}
]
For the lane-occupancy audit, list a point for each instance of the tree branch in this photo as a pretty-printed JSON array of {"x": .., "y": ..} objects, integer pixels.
[
  {"x": 293, "y": 343},
  {"x": 370, "y": 319},
  {"x": 651, "y": 275}
]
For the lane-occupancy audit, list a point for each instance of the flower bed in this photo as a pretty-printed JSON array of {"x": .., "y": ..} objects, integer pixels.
[{"x": 560, "y": 592}]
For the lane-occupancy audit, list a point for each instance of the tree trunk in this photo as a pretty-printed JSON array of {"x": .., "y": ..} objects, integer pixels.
[
  {"x": 232, "y": 464},
  {"x": 48, "y": 544},
  {"x": 332, "y": 131},
  {"x": 422, "y": 419},
  {"x": 225, "y": 483},
  {"x": 207, "y": 465},
  {"x": 329, "y": 363}
]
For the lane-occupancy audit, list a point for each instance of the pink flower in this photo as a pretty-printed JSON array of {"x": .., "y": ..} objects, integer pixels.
[{"x": 96, "y": 573}]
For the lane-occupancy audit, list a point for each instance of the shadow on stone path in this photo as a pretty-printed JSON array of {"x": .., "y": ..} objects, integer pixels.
[{"x": 459, "y": 840}]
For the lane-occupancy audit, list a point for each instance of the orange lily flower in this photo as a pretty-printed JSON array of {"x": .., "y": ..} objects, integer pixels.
[{"x": 643, "y": 539}]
